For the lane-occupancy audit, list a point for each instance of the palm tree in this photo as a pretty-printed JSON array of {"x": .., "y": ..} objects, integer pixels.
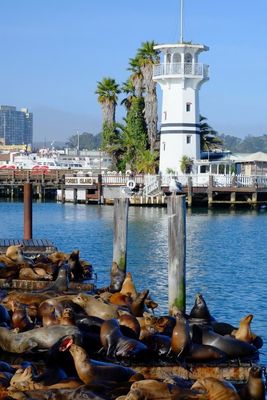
[
  {"x": 128, "y": 88},
  {"x": 136, "y": 77},
  {"x": 147, "y": 56},
  {"x": 107, "y": 91},
  {"x": 146, "y": 162},
  {"x": 208, "y": 136},
  {"x": 186, "y": 164}
]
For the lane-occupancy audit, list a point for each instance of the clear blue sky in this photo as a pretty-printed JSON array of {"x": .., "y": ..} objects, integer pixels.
[{"x": 53, "y": 52}]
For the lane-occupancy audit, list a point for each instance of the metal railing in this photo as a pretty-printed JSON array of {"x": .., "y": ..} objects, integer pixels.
[{"x": 181, "y": 69}]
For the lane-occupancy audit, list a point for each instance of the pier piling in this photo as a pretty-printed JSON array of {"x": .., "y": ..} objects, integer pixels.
[
  {"x": 177, "y": 251},
  {"x": 121, "y": 208},
  {"x": 27, "y": 198}
]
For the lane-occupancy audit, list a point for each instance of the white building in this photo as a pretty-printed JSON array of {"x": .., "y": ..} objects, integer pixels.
[{"x": 180, "y": 77}]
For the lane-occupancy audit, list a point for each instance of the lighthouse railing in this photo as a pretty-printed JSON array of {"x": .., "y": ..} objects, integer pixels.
[{"x": 181, "y": 69}]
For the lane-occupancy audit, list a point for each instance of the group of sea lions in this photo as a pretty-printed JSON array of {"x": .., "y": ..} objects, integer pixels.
[
  {"x": 15, "y": 265},
  {"x": 61, "y": 344}
]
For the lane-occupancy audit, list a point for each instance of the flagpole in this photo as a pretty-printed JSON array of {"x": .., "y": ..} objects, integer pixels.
[{"x": 182, "y": 22}]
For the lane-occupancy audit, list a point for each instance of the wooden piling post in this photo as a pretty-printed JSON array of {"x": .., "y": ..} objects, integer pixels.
[
  {"x": 189, "y": 191},
  {"x": 121, "y": 209},
  {"x": 177, "y": 251},
  {"x": 210, "y": 192},
  {"x": 27, "y": 198},
  {"x": 99, "y": 189}
]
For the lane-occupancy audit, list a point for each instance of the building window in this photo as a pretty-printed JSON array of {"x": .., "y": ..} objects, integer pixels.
[
  {"x": 188, "y": 107},
  {"x": 165, "y": 115},
  {"x": 164, "y": 146},
  {"x": 188, "y": 139}
]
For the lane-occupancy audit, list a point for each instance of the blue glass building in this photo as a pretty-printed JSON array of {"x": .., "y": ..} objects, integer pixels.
[{"x": 15, "y": 126}]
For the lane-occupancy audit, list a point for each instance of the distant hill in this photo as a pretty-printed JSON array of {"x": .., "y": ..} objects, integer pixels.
[
  {"x": 87, "y": 141},
  {"x": 250, "y": 144}
]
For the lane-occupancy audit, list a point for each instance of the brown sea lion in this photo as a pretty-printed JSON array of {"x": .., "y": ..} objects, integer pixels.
[
  {"x": 128, "y": 286},
  {"x": 42, "y": 338},
  {"x": 25, "y": 380},
  {"x": 129, "y": 325},
  {"x": 254, "y": 389},
  {"x": 119, "y": 346},
  {"x": 67, "y": 317},
  {"x": 216, "y": 389},
  {"x": 137, "y": 306},
  {"x": 83, "y": 392},
  {"x": 180, "y": 340},
  {"x": 9, "y": 273},
  {"x": 20, "y": 318},
  {"x": 29, "y": 274},
  {"x": 15, "y": 253},
  {"x": 61, "y": 283},
  {"x": 75, "y": 267},
  {"x": 50, "y": 316},
  {"x": 90, "y": 371},
  {"x": 95, "y": 307},
  {"x": 24, "y": 298},
  {"x": 244, "y": 331},
  {"x": 119, "y": 299},
  {"x": 150, "y": 389},
  {"x": 57, "y": 257}
]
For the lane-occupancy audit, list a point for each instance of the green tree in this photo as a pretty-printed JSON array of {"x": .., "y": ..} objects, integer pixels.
[
  {"x": 107, "y": 91},
  {"x": 186, "y": 164},
  {"x": 87, "y": 141},
  {"x": 209, "y": 139},
  {"x": 134, "y": 137},
  {"x": 146, "y": 162}
]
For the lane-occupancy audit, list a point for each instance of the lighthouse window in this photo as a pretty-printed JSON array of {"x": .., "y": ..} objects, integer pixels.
[
  {"x": 164, "y": 146},
  {"x": 188, "y": 107},
  {"x": 188, "y": 139}
]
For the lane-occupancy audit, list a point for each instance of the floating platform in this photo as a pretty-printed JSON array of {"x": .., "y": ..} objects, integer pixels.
[{"x": 30, "y": 247}]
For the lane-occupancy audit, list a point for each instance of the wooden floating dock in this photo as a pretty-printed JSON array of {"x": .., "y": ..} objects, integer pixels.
[
  {"x": 70, "y": 186},
  {"x": 31, "y": 246}
]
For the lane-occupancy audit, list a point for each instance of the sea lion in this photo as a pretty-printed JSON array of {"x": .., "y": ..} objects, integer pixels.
[
  {"x": 128, "y": 286},
  {"x": 254, "y": 389},
  {"x": 50, "y": 316},
  {"x": 129, "y": 325},
  {"x": 216, "y": 389},
  {"x": 42, "y": 338},
  {"x": 29, "y": 273},
  {"x": 15, "y": 253},
  {"x": 61, "y": 283},
  {"x": 200, "y": 311},
  {"x": 119, "y": 299},
  {"x": 95, "y": 307},
  {"x": 24, "y": 298},
  {"x": 232, "y": 347},
  {"x": 58, "y": 257},
  {"x": 150, "y": 389},
  {"x": 180, "y": 340},
  {"x": 137, "y": 306},
  {"x": 20, "y": 318},
  {"x": 90, "y": 371},
  {"x": 67, "y": 317},
  {"x": 25, "y": 380},
  {"x": 117, "y": 277},
  {"x": 75, "y": 267},
  {"x": 119, "y": 346},
  {"x": 245, "y": 334}
]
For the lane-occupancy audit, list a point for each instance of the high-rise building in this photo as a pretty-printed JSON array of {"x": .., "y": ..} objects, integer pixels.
[{"x": 15, "y": 126}]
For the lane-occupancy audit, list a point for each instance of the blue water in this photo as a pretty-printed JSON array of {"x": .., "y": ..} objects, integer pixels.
[{"x": 226, "y": 252}]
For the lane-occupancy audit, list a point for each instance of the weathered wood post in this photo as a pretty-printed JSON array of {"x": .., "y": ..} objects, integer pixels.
[
  {"x": 189, "y": 191},
  {"x": 99, "y": 189},
  {"x": 27, "y": 198},
  {"x": 118, "y": 271},
  {"x": 177, "y": 251},
  {"x": 210, "y": 191}
]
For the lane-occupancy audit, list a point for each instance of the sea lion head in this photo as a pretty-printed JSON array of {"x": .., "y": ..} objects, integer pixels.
[
  {"x": 15, "y": 253},
  {"x": 247, "y": 319},
  {"x": 22, "y": 379},
  {"x": 200, "y": 309},
  {"x": 81, "y": 299},
  {"x": 256, "y": 372}
]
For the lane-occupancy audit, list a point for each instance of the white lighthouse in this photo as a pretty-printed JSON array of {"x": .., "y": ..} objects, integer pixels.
[{"x": 180, "y": 77}]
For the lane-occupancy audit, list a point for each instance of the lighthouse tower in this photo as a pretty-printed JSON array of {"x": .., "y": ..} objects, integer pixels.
[{"x": 180, "y": 77}]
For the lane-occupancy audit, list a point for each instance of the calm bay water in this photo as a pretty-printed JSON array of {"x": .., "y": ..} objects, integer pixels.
[{"x": 226, "y": 252}]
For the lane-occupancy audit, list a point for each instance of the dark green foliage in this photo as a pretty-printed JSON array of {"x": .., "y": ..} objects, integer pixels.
[
  {"x": 87, "y": 141},
  {"x": 250, "y": 144}
]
